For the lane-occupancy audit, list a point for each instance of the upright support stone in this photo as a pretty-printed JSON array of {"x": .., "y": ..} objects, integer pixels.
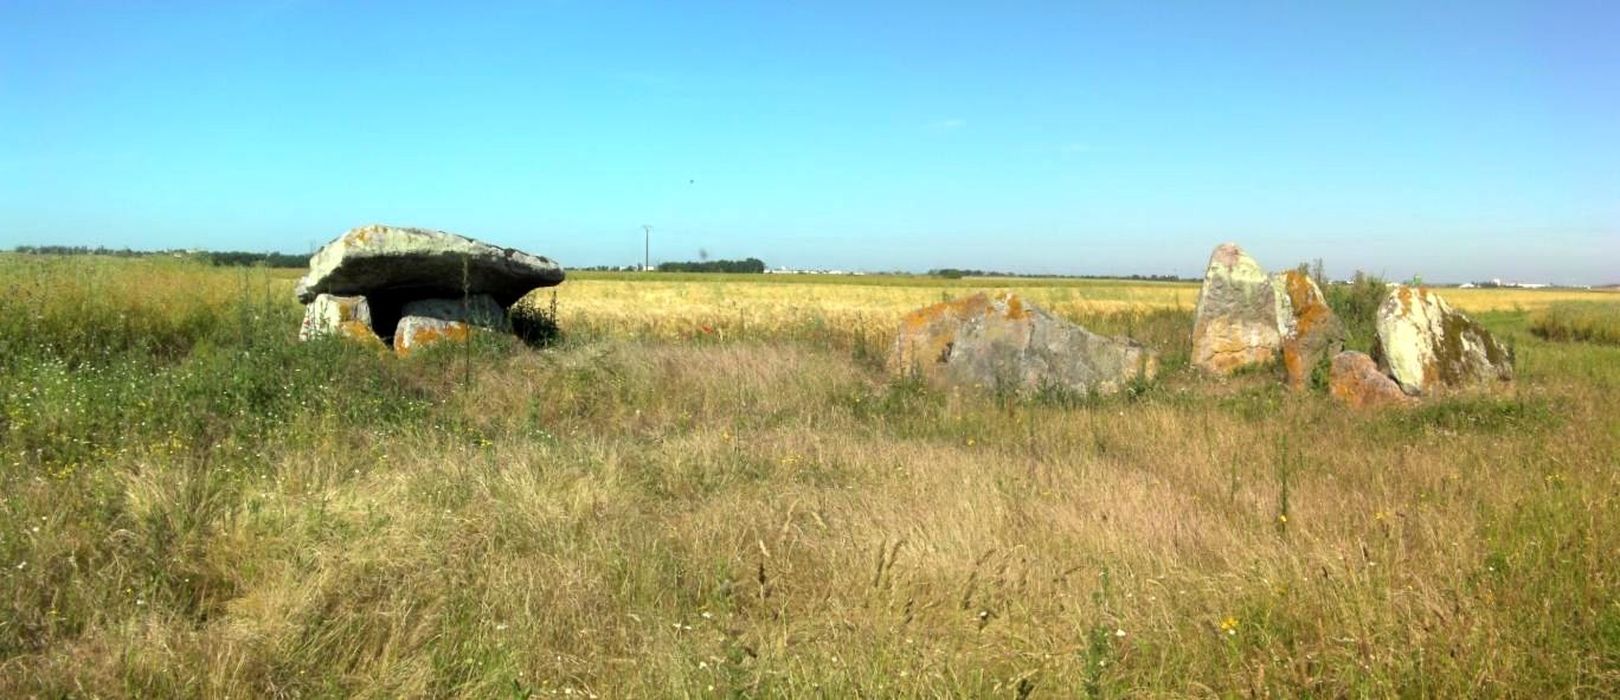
[
  {"x": 346, "y": 316},
  {"x": 1236, "y": 323},
  {"x": 428, "y": 321}
]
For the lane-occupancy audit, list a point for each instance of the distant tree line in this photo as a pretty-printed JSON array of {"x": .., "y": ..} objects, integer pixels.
[
  {"x": 228, "y": 258},
  {"x": 753, "y": 265},
  {"x": 240, "y": 259},
  {"x": 85, "y": 250},
  {"x": 956, "y": 274}
]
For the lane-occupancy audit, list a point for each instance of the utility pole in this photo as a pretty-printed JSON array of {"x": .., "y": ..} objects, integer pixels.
[{"x": 646, "y": 247}]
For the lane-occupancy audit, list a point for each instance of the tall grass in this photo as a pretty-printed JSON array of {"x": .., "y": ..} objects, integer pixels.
[
  {"x": 229, "y": 511},
  {"x": 1584, "y": 322}
]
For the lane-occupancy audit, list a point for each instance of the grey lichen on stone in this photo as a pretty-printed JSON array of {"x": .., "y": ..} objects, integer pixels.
[
  {"x": 1426, "y": 345},
  {"x": 1238, "y": 319},
  {"x": 1003, "y": 342}
]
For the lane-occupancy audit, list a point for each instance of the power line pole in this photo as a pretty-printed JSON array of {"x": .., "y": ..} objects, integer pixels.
[{"x": 646, "y": 247}]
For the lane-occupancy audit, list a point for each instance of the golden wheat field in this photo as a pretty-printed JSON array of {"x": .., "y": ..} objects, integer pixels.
[
  {"x": 762, "y": 304},
  {"x": 709, "y": 487}
]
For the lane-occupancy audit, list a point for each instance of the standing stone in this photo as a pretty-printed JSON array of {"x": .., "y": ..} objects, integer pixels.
[
  {"x": 1311, "y": 332},
  {"x": 1236, "y": 323},
  {"x": 428, "y": 321},
  {"x": 388, "y": 262},
  {"x": 1426, "y": 345},
  {"x": 348, "y": 317},
  {"x": 1004, "y": 342},
  {"x": 1357, "y": 381}
]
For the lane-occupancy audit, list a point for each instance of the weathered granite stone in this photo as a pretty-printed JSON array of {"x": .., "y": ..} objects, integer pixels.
[
  {"x": 1426, "y": 345},
  {"x": 1311, "y": 332},
  {"x": 1002, "y": 342},
  {"x": 1356, "y": 380},
  {"x": 349, "y": 317},
  {"x": 1236, "y": 323},
  {"x": 427, "y": 321},
  {"x": 393, "y": 265}
]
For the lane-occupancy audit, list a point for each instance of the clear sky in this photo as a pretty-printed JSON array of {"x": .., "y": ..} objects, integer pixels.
[{"x": 1455, "y": 140}]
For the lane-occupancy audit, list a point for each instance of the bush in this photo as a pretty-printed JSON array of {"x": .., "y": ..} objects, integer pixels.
[{"x": 1357, "y": 305}]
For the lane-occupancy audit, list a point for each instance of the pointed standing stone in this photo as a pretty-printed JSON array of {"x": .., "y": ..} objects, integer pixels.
[{"x": 1236, "y": 323}]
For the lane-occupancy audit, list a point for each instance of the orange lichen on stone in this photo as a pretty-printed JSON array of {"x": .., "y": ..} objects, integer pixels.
[
  {"x": 1309, "y": 311},
  {"x": 1015, "y": 308},
  {"x": 424, "y": 335},
  {"x": 927, "y": 334},
  {"x": 1356, "y": 381},
  {"x": 1316, "y": 331},
  {"x": 1228, "y": 346},
  {"x": 361, "y": 235},
  {"x": 1405, "y": 295},
  {"x": 359, "y": 330}
]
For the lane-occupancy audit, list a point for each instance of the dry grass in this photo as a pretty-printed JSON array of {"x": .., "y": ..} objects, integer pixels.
[{"x": 633, "y": 514}]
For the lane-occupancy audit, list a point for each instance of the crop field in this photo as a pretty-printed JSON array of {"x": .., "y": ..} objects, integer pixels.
[
  {"x": 709, "y": 487},
  {"x": 674, "y": 305}
]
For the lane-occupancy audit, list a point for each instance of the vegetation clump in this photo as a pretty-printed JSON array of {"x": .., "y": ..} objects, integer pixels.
[
  {"x": 1356, "y": 304},
  {"x": 1578, "y": 322}
]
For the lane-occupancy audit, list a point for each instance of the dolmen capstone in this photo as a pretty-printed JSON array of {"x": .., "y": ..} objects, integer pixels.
[
  {"x": 1247, "y": 318},
  {"x": 1426, "y": 346},
  {"x": 410, "y": 287},
  {"x": 1002, "y": 342}
]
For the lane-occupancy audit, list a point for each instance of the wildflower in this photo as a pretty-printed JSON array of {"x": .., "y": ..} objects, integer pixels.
[
  {"x": 1229, "y": 625},
  {"x": 1282, "y": 518},
  {"x": 1119, "y": 633}
]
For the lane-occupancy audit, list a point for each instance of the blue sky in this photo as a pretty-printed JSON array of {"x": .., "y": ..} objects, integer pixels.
[{"x": 1453, "y": 140}]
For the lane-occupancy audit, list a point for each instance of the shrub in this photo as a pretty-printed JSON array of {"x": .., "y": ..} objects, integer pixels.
[{"x": 1357, "y": 305}]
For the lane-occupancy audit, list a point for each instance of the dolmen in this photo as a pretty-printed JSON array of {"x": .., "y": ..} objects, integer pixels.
[
  {"x": 1004, "y": 343},
  {"x": 1246, "y": 318},
  {"x": 406, "y": 288}
]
